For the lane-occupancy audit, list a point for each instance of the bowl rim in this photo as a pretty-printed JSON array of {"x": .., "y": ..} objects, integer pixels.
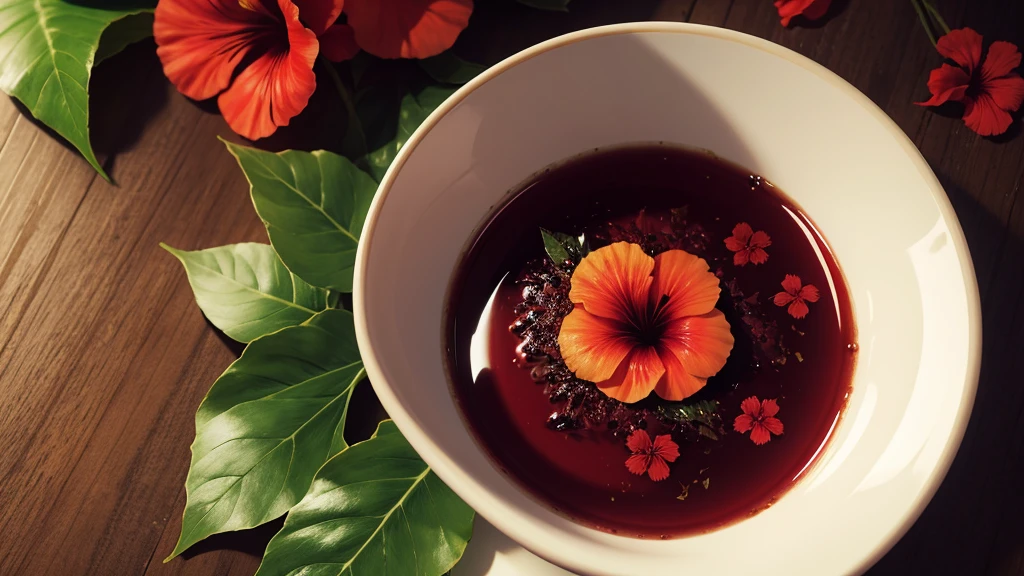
[{"x": 434, "y": 455}]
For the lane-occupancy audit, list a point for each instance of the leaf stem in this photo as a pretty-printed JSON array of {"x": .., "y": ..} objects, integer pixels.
[
  {"x": 924, "y": 20},
  {"x": 935, "y": 15},
  {"x": 350, "y": 108}
]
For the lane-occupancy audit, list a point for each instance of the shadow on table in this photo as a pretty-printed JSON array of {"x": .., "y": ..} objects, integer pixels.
[{"x": 973, "y": 524}]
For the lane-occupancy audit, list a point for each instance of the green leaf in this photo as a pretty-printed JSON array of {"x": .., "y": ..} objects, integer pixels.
[
  {"x": 246, "y": 291},
  {"x": 448, "y": 68},
  {"x": 562, "y": 247},
  {"x": 414, "y": 110},
  {"x": 554, "y": 5},
  {"x": 122, "y": 33},
  {"x": 268, "y": 424},
  {"x": 47, "y": 49},
  {"x": 702, "y": 412},
  {"x": 313, "y": 205},
  {"x": 377, "y": 509}
]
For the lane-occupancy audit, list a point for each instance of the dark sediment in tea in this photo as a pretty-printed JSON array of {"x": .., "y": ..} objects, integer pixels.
[{"x": 562, "y": 437}]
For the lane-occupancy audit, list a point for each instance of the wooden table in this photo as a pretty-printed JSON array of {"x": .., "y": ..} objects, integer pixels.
[{"x": 104, "y": 356}]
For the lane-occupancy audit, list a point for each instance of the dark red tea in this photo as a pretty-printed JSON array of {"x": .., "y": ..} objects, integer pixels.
[{"x": 563, "y": 439}]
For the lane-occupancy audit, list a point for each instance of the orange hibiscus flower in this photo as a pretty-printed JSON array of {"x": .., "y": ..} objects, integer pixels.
[
  {"x": 257, "y": 56},
  {"x": 643, "y": 324}
]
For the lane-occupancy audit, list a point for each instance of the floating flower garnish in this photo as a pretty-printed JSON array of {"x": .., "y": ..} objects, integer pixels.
[
  {"x": 810, "y": 9},
  {"x": 748, "y": 245},
  {"x": 651, "y": 457},
  {"x": 641, "y": 323},
  {"x": 796, "y": 296},
  {"x": 989, "y": 89},
  {"x": 759, "y": 419}
]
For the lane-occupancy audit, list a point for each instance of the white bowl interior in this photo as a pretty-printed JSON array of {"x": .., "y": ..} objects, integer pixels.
[{"x": 764, "y": 108}]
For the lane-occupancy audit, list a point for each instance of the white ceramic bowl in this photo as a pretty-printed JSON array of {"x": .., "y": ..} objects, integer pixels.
[{"x": 765, "y": 108}]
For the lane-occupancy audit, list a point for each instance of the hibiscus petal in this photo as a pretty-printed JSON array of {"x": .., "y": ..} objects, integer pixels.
[
  {"x": 639, "y": 441},
  {"x": 759, "y": 434},
  {"x": 638, "y": 463},
  {"x": 773, "y": 425},
  {"x": 319, "y": 15},
  {"x": 701, "y": 343},
  {"x": 201, "y": 42},
  {"x": 946, "y": 83},
  {"x": 985, "y": 117},
  {"x": 751, "y": 406},
  {"x": 591, "y": 346},
  {"x": 789, "y": 9},
  {"x": 791, "y": 284},
  {"x": 613, "y": 281},
  {"x": 685, "y": 279},
  {"x": 276, "y": 86},
  {"x": 1007, "y": 93},
  {"x": 338, "y": 43},
  {"x": 809, "y": 293},
  {"x": 817, "y": 9},
  {"x": 742, "y": 423},
  {"x": 658, "y": 470},
  {"x": 677, "y": 383},
  {"x": 636, "y": 377},
  {"x": 1001, "y": 59},
  {"x": 666, "y": 448},
  {"x": 798, "y": 309},
  {"x": 407, "y": 28},
  {"x": 963, "y": 47},
  {"x": 769, "y": 408}
]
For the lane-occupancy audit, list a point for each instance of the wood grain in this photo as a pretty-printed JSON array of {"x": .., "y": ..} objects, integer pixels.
[{"x": 104, "y": 356}]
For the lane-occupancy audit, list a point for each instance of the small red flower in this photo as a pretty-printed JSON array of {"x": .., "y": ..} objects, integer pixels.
[
  {"x": 651, "y": 457},
  {"x": 759, "y": 418},
  {"x": 748, "y": 245},
  {"x": 989, "y": 89},
  {"x": 796, "y": 296},
  {"x": 810, "y": 9}
]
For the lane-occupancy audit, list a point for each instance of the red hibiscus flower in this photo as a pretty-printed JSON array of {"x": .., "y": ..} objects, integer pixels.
[
  {"x": 988, "y": 88},
  {"x": 759, "y": 419},
  {"x": 641, "y": 324},
  {"x": 810, "y": 9},
  {"x": 748, "y": 245},
  {"x": 796, "y": 296},
  {"x": 257, "y": 56},
  {"x": 651, "y": 457}
]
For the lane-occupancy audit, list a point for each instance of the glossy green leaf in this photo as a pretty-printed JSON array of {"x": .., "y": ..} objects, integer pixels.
[
  {"x": 47, "y": 49},
  {"x": 414, "y": 110},
  {"x": 313, "y": 205},
  {"x": 122, "y": 33},
  {"x": 448, "y": 68},
  {"x": 375, "y": 509},
  {"x": 562, "y": 247},
  {"x": 268, "y": 424},
  {"x": 555, "y": 5},
  {"x": 246, "y": 291}
]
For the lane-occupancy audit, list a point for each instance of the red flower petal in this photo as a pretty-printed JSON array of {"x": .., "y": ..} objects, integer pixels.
[
  {"x": 751, "y": 406},
  {"x": 319, "y": 15},
  {"x": 783, "y": 298},
  {"x": 1001, "y": 59},
  {"x": 963, "y": 47},
  {"x": 760, "y": 239},
  {"x": 985, "y": 117},
  {"x": 947, "y": 83},
  {"x": 1007, "y": 93},
  {"x": 759, "y": 434},
  {"x": 809, "y": 293},
  {"x": 758, "y": 256},
  {"x": 276, "y": 86},
  {"x": 743, "y": 423},
  {"x": 638, "y": 463},
  {"x": 407, "y": 28},
  {"x": 665, "y": 448},
  {"x": 798, "y": 309},
  {"x": 741, "y": 258},
  {"x": 769, "y": 408},
  {"x": 773, "y": 425},
  {"x": 201, "y": 42},
  {"x": 741, "y": 234},
  {"x": 639, "y": 442},
  {"x": 338, "y": 43},
  {"x": 810, "y": 9},
  {"x": 791, "y": 284},
  {"x": 658, "y": 470}
]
